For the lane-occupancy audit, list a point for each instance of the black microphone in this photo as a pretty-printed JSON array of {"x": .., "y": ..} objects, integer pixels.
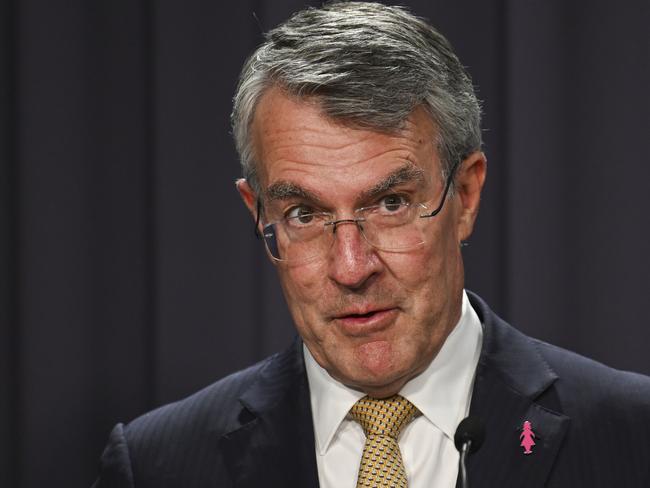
[{"x": 468, "y": 438}]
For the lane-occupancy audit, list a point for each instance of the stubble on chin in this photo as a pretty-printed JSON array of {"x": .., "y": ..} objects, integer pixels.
[{"x": 375, "y": 357}]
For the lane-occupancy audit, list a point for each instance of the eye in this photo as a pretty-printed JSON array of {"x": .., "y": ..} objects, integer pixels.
[
  {"x": 301, "y": 214},
  {"x": 392, "y": 203}
]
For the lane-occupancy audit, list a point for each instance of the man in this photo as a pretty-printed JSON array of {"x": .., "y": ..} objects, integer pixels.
[{"x": 359, "y": 135}]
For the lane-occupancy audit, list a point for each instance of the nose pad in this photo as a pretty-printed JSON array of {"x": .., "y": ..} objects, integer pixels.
[
  {"x": 350, "y": 257},
  {"x": 358, "y": 235},
  {"x": 335, "y": 224}
]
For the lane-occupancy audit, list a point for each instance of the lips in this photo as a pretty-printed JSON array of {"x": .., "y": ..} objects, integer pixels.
[
  {"x": 363, "y": 322},
  {"x": 359, "y": 313}
]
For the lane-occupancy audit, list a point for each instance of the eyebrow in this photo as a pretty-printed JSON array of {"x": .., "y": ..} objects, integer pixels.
[
  {"x": 405, "y": 174},
  {"x": 285, "y": 190}
]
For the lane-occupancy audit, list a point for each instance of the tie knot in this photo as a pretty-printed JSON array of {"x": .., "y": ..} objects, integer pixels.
[{"x": 385, "y": 416}]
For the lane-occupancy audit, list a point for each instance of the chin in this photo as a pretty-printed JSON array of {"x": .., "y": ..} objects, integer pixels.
[
  {"x": 378, "y": 367},
  {"x": 380, "y": 382}
]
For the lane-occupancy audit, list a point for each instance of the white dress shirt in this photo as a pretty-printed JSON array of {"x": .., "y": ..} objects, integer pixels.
[{"x": 442, "y": 393}]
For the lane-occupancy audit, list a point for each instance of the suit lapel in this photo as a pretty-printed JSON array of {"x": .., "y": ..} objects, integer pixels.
[
  {"x": 274, "y": 445},
  {"x": 513, "y": 384}
]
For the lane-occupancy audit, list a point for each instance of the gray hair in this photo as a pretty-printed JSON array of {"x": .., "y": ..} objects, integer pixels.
[{"x": 369, "y": 66}]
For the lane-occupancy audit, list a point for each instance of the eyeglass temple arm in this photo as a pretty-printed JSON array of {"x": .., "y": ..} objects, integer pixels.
[
  {"x": 257, "y": 219},
  {"x": 450, "y": 178}
]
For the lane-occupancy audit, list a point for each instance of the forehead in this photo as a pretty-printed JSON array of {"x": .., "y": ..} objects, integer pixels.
[{"x": 295, "y": 143}]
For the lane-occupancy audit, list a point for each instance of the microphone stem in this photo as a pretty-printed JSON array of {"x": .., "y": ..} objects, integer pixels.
[{"x": 462, "y": 464}]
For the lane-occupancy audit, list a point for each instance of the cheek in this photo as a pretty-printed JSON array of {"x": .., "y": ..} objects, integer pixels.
[
  {"x": 416, "y": 270},
  {"x": 436, "y": 263},
  {"x": 303, "y": 288},
  {"x": 426, "y": 279}
]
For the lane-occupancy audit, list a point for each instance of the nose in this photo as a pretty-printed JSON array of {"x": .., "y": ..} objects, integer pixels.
[{"x": 352, "y": 261}]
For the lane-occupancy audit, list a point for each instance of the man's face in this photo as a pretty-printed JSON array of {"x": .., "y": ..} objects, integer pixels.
[{"x": 373, "y": 319}]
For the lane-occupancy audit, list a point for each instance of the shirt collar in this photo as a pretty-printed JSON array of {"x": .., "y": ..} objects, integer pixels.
[{"x": 442, "y": 392}]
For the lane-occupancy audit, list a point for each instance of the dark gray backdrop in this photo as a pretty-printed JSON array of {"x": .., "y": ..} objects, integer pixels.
[{"x": 130, "y": 275}]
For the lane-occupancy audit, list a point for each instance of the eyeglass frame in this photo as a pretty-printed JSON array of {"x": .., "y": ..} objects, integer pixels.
[{"x": 334, "y": 223}]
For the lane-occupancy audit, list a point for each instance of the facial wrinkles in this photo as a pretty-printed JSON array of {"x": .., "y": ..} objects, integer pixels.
[
  {"x": 300, "y": 144},
  {"x": 335, "y": 301},
  {"x": 408, "y": 173},
  {"x": 390, "y": 290},
  {"x": 327, "y": 166},
  {"x": 345, "y": 169},
  {"x": 380, "y": 292},
  {"x": 375, "y": 297},
  {"x": 275, "y": 125},
  {"x": 402, "y": 297}
]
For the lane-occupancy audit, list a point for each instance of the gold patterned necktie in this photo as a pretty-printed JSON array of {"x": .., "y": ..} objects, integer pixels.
[{"x": 382, "y": 420}]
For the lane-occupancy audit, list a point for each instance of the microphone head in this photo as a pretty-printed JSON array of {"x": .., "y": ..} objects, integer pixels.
[{"x": 470, "y": 429}]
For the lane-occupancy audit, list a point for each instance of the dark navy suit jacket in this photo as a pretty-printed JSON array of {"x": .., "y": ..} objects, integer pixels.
[{"x": 254, "y": 428}]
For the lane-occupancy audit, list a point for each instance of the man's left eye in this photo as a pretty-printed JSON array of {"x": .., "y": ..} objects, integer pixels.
[{"x": 392, "y": 203}]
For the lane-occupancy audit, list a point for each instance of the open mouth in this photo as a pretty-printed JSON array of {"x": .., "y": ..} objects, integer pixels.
[{"x": 361, "y": 315}]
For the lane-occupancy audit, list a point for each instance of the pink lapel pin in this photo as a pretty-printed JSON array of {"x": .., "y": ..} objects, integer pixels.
[{"x": 527, "y": 437}]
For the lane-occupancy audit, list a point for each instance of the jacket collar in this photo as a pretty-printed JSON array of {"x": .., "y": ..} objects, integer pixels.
[{"x": 513, "y": 384}]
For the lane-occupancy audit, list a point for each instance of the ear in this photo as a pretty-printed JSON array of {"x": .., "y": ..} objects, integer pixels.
[
  {"x": 247, "y": 195},
  {"x": 469, "y": 183}
]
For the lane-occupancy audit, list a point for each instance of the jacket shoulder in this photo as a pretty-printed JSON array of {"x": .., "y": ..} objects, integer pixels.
[
  {"x": 585, "y": 383},
  {"x": 170, "y": 445},
  {"x": 532, "y": 366},
  {"x": 184, "y": 443},
  {"x": 609, "y": 415},
  {"x": 216, "y": 407}
]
